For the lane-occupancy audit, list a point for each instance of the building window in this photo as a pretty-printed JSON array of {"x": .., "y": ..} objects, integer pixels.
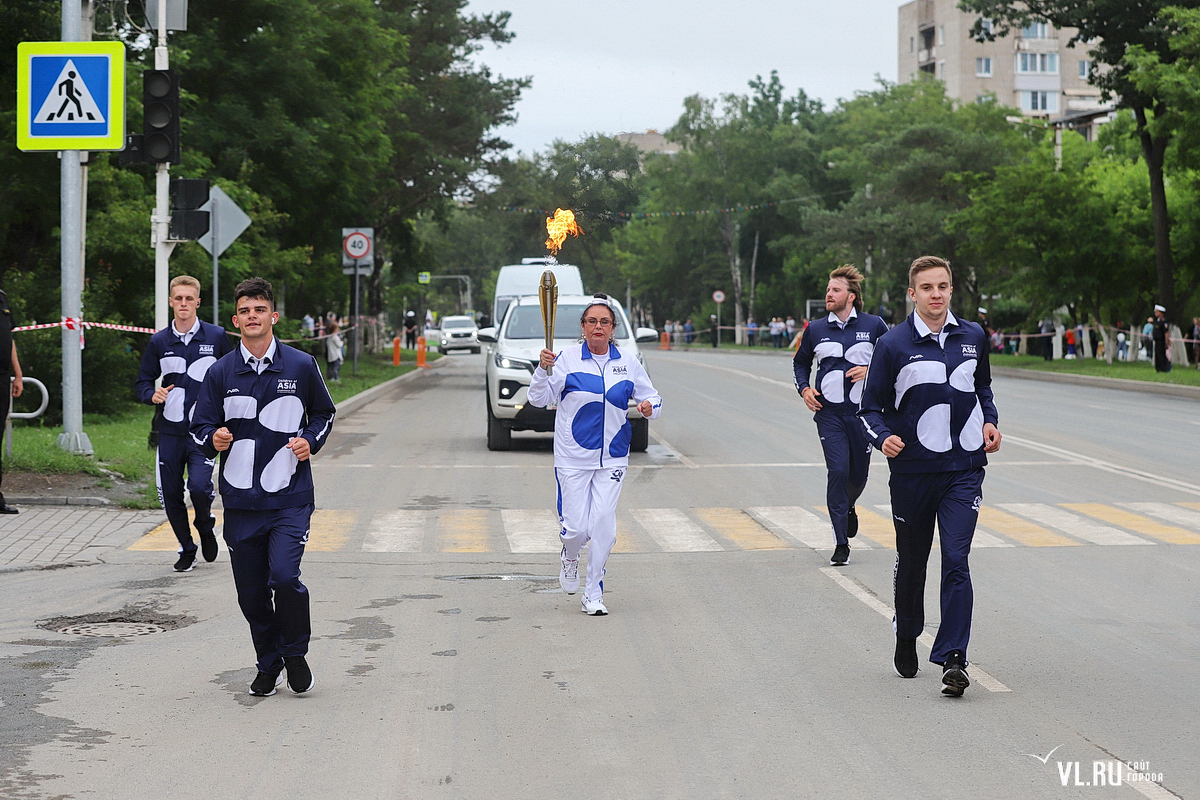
[
  {"x": 985, "y": 25},
  {"x": 912, "y": 41},
  {"x": 1084, "y": 68},
  {"x": 941, "y": 34},
  {"x": 1045, "y": 63},
  {"x": 1039, "y": 101},
  {"x": 1035, "y": 30},
  {"x": 983, "y": 67}
]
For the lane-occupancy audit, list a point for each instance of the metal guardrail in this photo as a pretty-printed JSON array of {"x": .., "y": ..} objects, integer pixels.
[{"x": 23, "y": 414}]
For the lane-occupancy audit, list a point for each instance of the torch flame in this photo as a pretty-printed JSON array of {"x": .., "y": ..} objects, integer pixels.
[{"x": 562, "y": 223}]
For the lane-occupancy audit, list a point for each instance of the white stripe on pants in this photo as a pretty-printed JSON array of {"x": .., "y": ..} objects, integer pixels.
[{"x": 587, "y": 508}]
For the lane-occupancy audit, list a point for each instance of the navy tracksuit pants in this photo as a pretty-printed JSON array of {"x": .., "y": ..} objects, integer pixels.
[
  {"x": 951, "y": 499},
  {"x": 847, "y": 459},
  {"x": 265, "y": 548},
  {"x": 177, "y": 454}
]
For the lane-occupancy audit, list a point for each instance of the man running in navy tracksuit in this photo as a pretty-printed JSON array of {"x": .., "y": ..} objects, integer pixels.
[
  {"x": 266, "y": 408},
  {"x": 181, "y": 354},
  {"x": 928, "y": 406},
  {"x": 842, "y": 343}
]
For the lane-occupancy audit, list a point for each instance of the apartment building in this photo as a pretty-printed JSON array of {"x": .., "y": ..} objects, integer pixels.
[{"x": 1032, "y": 69}]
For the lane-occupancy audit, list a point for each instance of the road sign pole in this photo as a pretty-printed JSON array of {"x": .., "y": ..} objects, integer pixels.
[
  {"x": 214, "y": 216},
  {"x": 72, "y": 439}
]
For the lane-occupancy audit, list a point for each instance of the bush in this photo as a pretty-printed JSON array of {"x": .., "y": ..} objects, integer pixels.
[{"x": 110, "y": 369}]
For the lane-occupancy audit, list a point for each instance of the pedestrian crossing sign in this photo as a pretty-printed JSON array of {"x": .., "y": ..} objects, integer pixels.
[{"x": 70, "y": 95}]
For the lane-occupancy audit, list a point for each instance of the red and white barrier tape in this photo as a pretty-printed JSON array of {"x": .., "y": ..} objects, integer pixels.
[{"x": 74, "y": 323}]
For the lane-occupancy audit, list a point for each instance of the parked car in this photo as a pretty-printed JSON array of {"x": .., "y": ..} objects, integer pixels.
[
  {"x": 457, "y": 333},
  {"x": 513, "y": 356}
]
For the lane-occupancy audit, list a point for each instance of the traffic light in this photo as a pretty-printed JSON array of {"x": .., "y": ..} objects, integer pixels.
[
  {"x": 187, "y": 195},
  {"x": 160, "y": 103}
]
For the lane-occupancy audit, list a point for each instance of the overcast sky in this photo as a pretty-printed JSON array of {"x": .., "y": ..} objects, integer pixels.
[{"x": 624, "y": 66}]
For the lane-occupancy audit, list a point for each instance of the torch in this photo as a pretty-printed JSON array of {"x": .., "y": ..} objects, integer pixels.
[{"x": 548, "y": 295}]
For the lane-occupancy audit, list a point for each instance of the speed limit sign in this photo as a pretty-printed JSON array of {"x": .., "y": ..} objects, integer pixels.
[
  {"x": 718, "y": 296},
  {"x": 356, "y": 246}
]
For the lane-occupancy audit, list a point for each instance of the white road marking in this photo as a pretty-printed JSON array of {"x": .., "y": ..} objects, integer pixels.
[
  {"x": 871, "y": 601},
  {"x": 1107, "y": 466},
  {"x": 674, "y": 531},
  {"x": 1073, "y": 524},
  {"x": 397, "y": 532},
  {"x": 979, "y": 539},
  {"x": 531, "y": 530}
]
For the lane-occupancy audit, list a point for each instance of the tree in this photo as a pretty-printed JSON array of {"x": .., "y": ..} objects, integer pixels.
[{"x": 1110, "y": 28}]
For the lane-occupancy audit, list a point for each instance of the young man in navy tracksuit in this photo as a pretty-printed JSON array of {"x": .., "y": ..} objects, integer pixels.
[
  {"x": 181, "y": 355},
  {"x": 266, "y": 408},
  {"x": 842, "y": 344},
  {"x": 928, "y": 406}
]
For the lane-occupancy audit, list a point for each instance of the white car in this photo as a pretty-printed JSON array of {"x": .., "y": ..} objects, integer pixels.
[
  {"x": 513, "y": 355},
  {"x": 456, "y": 333}
]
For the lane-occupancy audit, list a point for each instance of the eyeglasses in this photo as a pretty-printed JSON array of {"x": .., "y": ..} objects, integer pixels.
[{"x": 593, "y": 321}]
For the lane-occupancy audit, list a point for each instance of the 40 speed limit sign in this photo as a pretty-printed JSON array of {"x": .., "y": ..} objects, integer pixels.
[{"x": 357, "y": 244}]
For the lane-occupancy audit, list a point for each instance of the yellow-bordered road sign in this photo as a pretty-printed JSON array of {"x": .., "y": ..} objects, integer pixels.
[{"x": 70, "y": 95}]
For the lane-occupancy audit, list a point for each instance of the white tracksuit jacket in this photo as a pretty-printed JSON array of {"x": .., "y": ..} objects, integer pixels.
[{"x": 591, "y": 430}]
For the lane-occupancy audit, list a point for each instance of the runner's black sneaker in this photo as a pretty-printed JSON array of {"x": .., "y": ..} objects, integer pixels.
[
  {"x": 208, "y": 545},
  {"x": 265, "y": 682},
  {"x": 851, "y": 523},
  {"x": 905, "y": 661},
  {"x": 300, "y": 678},
  {"x": 841, "y": 554},
  {"x": 186, "y": 561},
  {"x": 954, "y": 674}
]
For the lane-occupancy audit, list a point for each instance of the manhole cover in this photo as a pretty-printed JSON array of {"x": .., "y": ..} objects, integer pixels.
[{"x": 112, "y": 629}]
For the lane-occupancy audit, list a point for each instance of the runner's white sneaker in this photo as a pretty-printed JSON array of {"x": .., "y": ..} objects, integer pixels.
[
  {"x": 568, "y": 573},
  {"x": 594, "y": 608}
]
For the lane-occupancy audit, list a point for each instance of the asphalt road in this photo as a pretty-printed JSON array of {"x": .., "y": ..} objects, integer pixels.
[{"x": 735, "y": 663}]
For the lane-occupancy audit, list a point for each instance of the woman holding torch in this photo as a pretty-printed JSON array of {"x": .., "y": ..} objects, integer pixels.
[{"x": 592, "y": 385}]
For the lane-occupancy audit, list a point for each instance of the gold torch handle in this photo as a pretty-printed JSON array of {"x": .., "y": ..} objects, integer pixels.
[{"x": 548, "y": 296}]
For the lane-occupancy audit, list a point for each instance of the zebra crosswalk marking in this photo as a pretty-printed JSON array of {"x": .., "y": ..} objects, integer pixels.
[
  {"x": 328, "y": 529},
  {"x": 531, "y": 530},
  {"x": 1136, "y": 522},
  {"x": 397, "y": 532},
  {"x": 1074, "y": 524},
  {"x": 674, "y": 531},
  {"x": 878, "y": 528},
  {"x": 463, "y": 530},
  {"x": 802, "y": 525},
  {"x": 1024, "y": 531},
  {"x": 980, "y": 538},
  {"x": 739, "y": 527},
  {"x": 711, "y": 529},
  {"x": 162, "y": 538},
  {"x": 1167, "y": 511}
]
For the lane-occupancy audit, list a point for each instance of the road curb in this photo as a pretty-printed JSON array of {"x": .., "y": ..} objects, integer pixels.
[
  {"x": 61, "y": 501},
  {"x": 1121, "y": 384},
  {"x": 355, "y": 402}
]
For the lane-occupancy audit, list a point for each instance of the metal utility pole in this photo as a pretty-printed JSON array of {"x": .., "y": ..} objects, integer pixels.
[
  {"x": 72, "y": 439},
  {"x": 160, "y": 221}
]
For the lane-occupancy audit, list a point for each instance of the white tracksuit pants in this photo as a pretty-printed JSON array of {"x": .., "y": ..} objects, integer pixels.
[{"x": 587, "y": 509}]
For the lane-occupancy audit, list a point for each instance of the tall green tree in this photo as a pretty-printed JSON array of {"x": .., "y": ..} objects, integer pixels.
[{"x": 1109, "y": 28}]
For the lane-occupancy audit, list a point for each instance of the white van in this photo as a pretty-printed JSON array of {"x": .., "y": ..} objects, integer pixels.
[{"x": 521, "y": 280}]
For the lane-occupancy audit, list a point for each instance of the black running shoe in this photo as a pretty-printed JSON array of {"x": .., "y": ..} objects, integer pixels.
[
  {"x": 841, "y": 554},
  {"x": 905, "y": 660},
  {"x": 300, "y": 678},
  {"x": 186, "y": 561},
  {"x": 851, "y": 523},
  {"x": 208, "y": 545},
  {"x": 954, "y": 674},
  {"x": 265, "y": 682}
]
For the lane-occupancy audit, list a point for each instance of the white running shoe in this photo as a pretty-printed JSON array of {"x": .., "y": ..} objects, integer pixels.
[
  {"x": 568, "y": 573},
  {"x": 594, "y": 608}
]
